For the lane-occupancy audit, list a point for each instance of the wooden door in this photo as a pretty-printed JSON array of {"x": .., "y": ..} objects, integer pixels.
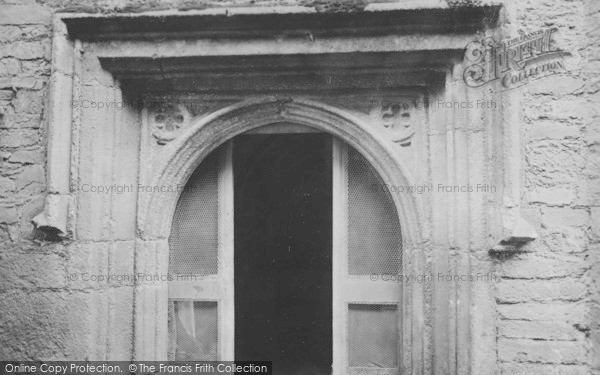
[
  {"x": 201, "y": 311},
  {"x": 366, "y": 263}
]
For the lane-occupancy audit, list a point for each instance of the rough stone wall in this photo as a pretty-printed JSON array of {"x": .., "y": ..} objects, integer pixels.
[
  {"x": 548, "y": 312},
  {"x": 548, "y": 298}
]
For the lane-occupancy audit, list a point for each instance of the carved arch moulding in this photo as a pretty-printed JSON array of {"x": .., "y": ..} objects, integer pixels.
[{"x": 168, "y": 87}]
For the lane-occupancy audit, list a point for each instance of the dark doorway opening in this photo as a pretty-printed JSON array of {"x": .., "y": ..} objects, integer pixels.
[{"x": 283, "y": 223}]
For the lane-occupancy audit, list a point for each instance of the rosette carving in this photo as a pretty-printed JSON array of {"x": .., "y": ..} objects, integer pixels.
[
  {"x": 168, "y": 121},
  {"x": 394, "y": 119}
]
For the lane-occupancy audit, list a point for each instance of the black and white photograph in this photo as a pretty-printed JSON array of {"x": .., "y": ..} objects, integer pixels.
[{"x": 300, "y": 187}]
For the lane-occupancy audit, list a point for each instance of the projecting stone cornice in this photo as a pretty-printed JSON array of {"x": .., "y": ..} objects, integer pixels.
[
  {"x": 260, "y": 22},
  {"x": 282, "y": 48},
  {"x": 332, "y": 71}
]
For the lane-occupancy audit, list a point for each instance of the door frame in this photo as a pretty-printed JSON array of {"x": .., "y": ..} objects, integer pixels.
[
  {"x": 107, "y": 57},
  {"x": 206, "y": 134}
]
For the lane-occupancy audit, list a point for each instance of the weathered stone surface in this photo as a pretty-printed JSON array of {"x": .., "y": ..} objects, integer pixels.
[
  {"x": 6, "y": 186},
  {"x": 24, "y": 50},
  {"x": 533, "y": 369},
  {"x": 565, "y": 217},
  {"x": 31, "y": 208},
  {"x": 28, "y": 157},
  {"x": 33, "y": 174},
  {"x": 592, "y": 165},
  {"x": 557, "y": 85},
  {"x": 24, "y": 14},
  {"x": 512, "y": 291},
  {"x": 21, "y": 82},
  {"x": 572, "y": 109},
  {"x": 6, "y": 94},
  {"x": 553, "y": 162},
  {"x": 23, "y": 33},
  {"x": 533, "y": 266},
  {"x": 595, "y": 223},
  {"x": 22, "y": 120},
  {"x": 9, "y": 33},
  {"x": 552, "y": 196},
  {"x": 553, "y": 130},
  {"x": 572, "y": 313},
  {"x": 48, "y": 328},
  {"x": 18, "y": 138},
  {"x": 559, "y": 352},
  {"x": 522, "y": 329},
  {"x": 9, "y": 67},
  {"x": 28, "y": 101},
  {"x": 35, "y": 67},
  {"x": 37, "y": 270},
  {"x": 8, "y": 214},
  {"x": 595, "y": 351}
]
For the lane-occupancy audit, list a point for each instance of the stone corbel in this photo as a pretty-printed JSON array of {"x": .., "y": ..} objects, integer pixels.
[
  {"x": 516, "y": 236},
  {"x": 53, "y": 220}
]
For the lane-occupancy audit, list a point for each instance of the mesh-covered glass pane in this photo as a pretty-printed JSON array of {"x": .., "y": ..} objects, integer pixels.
[
  {"x": 374, "y": 239},
  {"x": 193, "y": 330},
  {"x": 194, "y": 237},
  {"x": 373, "y": 336}
]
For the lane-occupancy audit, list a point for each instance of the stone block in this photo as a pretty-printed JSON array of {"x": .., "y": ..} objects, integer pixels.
[
  {"x": 513, "y": 291},
  {"x": 121, "y": 330},
  {"x": 533, "y": 266},
  {"x": 9, "y": 33},
  {"x": 554, "y": 161},
  {"x": 565, "y": 217},
  {"x": 33, "y": 174},
  {"x": 558, "y": 352},
  {"x": 6, "y": 186},
  {"x": 17, "y": 120},
  {"x": 595, "y": 224},
  {"x": 8, "y": 214},
  {"x": 28, "y": 101},
  {"x": 592, "y": 165},
  {"x": 554, "y": 130},
  {"x": 569, "y": 109},
  {"x": 21, "y": 82},
  {"x": 32, "y": 270},
  {"x": 51, "y": 325},
  {"x": 557, "y": 85},
  {"x": 6, "y": 95},
  {"x": 30, "y": 209},
  {"x": 536, "y": 368},
  {"x": 35, "y": 67},
  {"x": 523, "y": 329},
  {"x": 28, "y": 157},
  {"x": 553, "y": 196},
  {"x": 595, "y": 338},
  {"x": 24, "y": 14},
  {"x": 122, "y": 260},
  {"x": 9, "y": 67},
  {"x": 588, "y": 191},
  {"x": 24, "y": 50}
]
